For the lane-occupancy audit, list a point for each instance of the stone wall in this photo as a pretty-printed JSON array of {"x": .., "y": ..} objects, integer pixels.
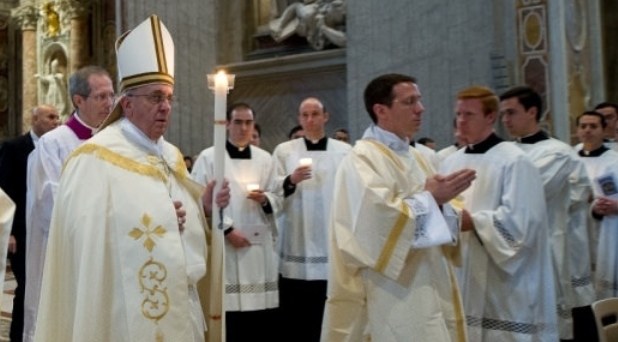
[{"x": 446, "y": 45}]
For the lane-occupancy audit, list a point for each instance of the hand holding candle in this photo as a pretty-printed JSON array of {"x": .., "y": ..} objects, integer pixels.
[
  {"x": 254, "y": 193},
  {"x": 253, "y": 187},
  {"x": 305, "y": 162},
  {"x": 303, "y": 171}
]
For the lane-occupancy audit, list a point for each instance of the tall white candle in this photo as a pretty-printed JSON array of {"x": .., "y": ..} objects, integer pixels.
[{"x": 220, "y": 84}]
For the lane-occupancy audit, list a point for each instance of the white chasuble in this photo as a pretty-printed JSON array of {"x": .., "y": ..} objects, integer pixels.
[
  {"x": 251, "y": 272},
  {"x": 381, "y": 287},
  {"x": 117, "y": 266},
  {"x": 507, "y": 278}
]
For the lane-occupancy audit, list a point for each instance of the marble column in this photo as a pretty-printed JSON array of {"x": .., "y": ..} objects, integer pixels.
[
  {"x": 27, "y": 19},
  {"x": 79, "y": 40}
]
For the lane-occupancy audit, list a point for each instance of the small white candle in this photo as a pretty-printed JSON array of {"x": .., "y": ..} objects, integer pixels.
[
  {"x": 306, "y": 161},
  {"x": 253, "y": 187}
]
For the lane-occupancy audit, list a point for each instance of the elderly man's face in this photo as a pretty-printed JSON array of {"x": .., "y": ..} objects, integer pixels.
[
  {"x": 95, "y": 107},
  {"x": 149, "y": 108}
]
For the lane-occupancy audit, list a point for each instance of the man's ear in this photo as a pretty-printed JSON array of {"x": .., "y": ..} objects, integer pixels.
[
  {"x": 380, "y": 110},
  {"x": 533, "y": 112},
  {"x": 78, "y": 100},
  {"x": 493, "y": 116},
  {"x": 126, "y": 106}
]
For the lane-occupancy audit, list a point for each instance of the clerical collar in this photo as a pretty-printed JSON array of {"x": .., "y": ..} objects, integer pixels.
[
  {"x": 79, "y": 127},
  {"x": 389, "y": 139},
  {"x": 594, "y": 153},
  {"x": 534, "y": 138},
  {"x": 236, "y": 152},
  {"x": 485, "y": 145},
  {"x": 320, "y": 145}
]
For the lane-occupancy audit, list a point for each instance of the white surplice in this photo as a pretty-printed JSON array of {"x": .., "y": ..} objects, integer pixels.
[
  {"x": 390, "y": 277},
  {"x": 303, "y": 220},
  {"x": 606, "y": 252},
  {"x": 251, "y": 272},
  {"x": 581, "y": 253},
  {"x": 507, "y": 278},
  {"x": 558, "y": 165},
  {"x": 117, "y": 266},
  {"x": 44, "y": 167}
]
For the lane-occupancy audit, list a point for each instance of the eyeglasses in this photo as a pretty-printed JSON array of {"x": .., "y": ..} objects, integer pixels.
[
  {"x": 103, "y": 97},
  {"x": 155, "y": 98}
]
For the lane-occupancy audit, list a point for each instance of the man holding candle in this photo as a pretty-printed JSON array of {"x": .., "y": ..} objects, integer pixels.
[
  {"x": 306, "y": 170},
  {"x": 122, "y": 264},
  {"x": 393, "y": 236},
  {"x": 251, "y": 291}
]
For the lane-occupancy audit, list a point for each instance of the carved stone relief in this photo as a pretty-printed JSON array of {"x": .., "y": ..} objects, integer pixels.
[{"x": 320, "y": 22}]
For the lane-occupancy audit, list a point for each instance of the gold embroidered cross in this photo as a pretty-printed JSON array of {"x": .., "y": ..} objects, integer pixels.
[{"x": 148, "y": 232}]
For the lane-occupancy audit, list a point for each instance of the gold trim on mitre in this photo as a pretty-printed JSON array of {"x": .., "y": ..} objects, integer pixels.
[{"x": 159, "y": 72}]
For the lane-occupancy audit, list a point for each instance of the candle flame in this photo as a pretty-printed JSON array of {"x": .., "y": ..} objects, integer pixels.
[{"x": 221, "y": 79}]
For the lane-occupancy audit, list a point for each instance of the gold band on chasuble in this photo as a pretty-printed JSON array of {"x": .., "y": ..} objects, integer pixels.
[{"x": 402, "y": 220}]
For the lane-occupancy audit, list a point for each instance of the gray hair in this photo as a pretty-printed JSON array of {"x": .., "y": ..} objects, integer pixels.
[{"x": 78, "y": 82}]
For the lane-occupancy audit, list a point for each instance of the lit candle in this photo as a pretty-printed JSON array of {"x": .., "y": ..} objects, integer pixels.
[
  {"x": 306, "y": 161},
  {"x": 220, "y": 84},
  {"x": 253, "y": 187}
]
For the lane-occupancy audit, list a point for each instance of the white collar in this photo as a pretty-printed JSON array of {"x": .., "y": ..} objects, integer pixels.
[
  {"x": 134, "y": 134},
  {"x": 389, "y": 139}
]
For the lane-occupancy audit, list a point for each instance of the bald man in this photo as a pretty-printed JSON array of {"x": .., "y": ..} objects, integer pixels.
[{"x": 306, "y": 169}]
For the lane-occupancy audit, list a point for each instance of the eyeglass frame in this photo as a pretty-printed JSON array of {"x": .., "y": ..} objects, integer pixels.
[
  {"x": 155, "y": 98},
  {"x": 102, "y": 97}
]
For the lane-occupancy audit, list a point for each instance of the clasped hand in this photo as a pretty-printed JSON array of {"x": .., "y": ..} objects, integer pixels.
[{"x": 445, "y": 188}]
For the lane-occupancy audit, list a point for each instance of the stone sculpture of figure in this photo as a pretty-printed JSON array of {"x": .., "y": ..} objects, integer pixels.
[
  {"x": 55, "y": 88},
  {"x": 320, "y": 21},
  {"x": 331, "y": 22}
]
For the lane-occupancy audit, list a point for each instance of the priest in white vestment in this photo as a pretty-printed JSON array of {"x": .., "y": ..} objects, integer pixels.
[
  {"x": 92, "y": 93},
  {"x": 251, "y": 289},
  {"x": 393, "y": 237},
  {"x": 122, "y": 263},
  {"x": 609, "y": 110},
  {"x": 305, "y": 169},
  {"x": 602, "y": 168},
  {"x": 507, "y": 276},
  {"x": 520, "y": 110}
]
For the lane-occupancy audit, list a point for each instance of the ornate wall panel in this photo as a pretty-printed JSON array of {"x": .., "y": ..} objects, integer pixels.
[{"x": 533, "y": 52}]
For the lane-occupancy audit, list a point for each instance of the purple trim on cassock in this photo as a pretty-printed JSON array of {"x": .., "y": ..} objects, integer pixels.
[{"x": 78, "y": 128}]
